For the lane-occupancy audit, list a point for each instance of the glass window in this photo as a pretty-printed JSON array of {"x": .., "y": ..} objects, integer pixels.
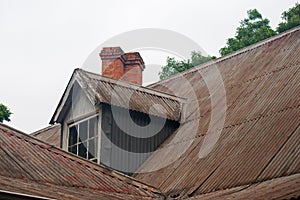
[
  {"x": 92, "y": 149},
  {"x": 92, "y": 127},
  {"x": 83, "y": 131},
  {"x": 83, "y": 139},
  {"x": 82, "y": 149},
  {"x": 73, "y": 136},
  {"x": 73, "y": 149}
]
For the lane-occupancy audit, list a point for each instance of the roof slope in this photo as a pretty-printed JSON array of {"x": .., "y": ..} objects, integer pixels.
[
  {"x": 260, "y": 138},
  {"x": 33, "y": 167},
  {"x": 279, "y": 188},
  {"x": 100, "y": 89},
  {"x": 50, "y": 135}
]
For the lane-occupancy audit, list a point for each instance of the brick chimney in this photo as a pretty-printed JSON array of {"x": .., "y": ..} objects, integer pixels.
[{"x": 122, "y": 66}]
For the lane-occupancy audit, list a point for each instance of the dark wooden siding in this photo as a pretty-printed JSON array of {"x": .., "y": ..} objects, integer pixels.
[{"x": 126, "y": 150}]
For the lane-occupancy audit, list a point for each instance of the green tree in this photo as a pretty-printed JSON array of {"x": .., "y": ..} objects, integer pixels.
[
  {"x": 291, "y": 18},
  {"x": 4, "y": 113},
  {"x": 251, "y": 30},
  {"x": 197, "y": 58},
  {"x": 174, "y": 66}
]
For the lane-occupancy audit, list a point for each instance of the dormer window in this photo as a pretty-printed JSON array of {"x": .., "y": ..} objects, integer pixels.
[
  {"x": 101, "y": 124},
  {"x": 83, "y": 138}
]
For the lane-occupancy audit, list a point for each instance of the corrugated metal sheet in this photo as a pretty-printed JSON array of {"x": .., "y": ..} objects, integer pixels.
[
  {"x": 261, "y": 136},
  {"x": 278, "y": 188},
  {"x": 141, "y": 99},
  {"x": 33, "y": 167},
  {"x": 122, "y": 94},
  {"x": 50, "y": 134},
  {"x": 125, "y": 147}
]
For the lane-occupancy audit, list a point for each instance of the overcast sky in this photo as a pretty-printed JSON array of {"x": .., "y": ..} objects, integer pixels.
[{"x": 43, "y": 41}]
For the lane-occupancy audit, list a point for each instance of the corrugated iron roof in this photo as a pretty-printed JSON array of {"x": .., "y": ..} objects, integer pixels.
[
  {"x": 32, "y": 167},
  {"x": 50, "y": 134},
  {"x": 123, "y": 94},
  {"x": 279, "y": 188},
  {"x": 260, "y": 138}
]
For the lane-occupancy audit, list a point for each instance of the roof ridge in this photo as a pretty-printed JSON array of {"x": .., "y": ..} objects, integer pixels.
[
  {"x": 81, "y": 161},
  {"x": 230, "y": 55}
]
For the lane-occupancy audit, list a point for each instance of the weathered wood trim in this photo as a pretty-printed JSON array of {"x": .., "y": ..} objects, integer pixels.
[
  {"x": 82, "y": 118},
  {"x": 64, "y": 99},
  {"x": 99, "y": 133}
]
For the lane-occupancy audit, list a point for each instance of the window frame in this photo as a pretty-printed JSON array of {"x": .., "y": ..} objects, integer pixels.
[{"x": 96, "y": 137}]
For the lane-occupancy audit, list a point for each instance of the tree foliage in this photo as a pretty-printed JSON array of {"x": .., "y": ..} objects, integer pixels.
[
  {"x": 4, "y": 113},
  {"x": 251, "y": 30},
  {"x": 174, "y": 66},
  {"x": 291, "y": 19},
  {"x": 197, "y": 58}
]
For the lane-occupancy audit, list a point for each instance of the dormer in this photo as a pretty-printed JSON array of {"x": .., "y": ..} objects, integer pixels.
[{"x": 114, "y": 122}]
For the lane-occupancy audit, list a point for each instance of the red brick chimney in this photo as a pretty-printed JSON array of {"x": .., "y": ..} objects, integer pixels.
[{"x": 122, "y": 66}]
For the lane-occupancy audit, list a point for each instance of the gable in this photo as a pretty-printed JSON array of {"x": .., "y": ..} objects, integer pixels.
[
  {"x": 74, "y": 94},
  {"x": 80, "y": 105}
]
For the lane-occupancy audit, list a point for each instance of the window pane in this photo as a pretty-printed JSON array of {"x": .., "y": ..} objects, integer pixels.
[
  {"x": 83, "y": 131},
  {"x": 93, "y": 127},
  {"x": 92, "y": 149},
  {"x": 72, "y": 135},
  {"x": 82, "y": 150},
  {"x": 73, "y": 149}
]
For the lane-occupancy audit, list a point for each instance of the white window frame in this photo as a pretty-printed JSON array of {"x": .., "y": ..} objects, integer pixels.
[{"x": 96, "y": 136}]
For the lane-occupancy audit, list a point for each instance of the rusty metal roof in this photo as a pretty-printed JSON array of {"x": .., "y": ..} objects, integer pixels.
[
  {"x": 123, "y": 94},
  {"x": 260, "y": 137},
  {"x": 279, "y": 188},
  {"x": 32, "y": 167},
  {"x": 50, "y": 134}
]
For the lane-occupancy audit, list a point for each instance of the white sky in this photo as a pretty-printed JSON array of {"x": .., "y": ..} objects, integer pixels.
[{"x": 41, "y": 42}]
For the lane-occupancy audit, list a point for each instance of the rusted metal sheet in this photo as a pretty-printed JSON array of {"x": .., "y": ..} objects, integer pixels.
[
  {"x": 50, "y": 134},
  {"x": 260, "y": 137},
  {"x": 32, "y": 167},
  {"x": 139, "y": 98},
  {"x": 100, "y": 89},
  {"x": 279, "y": 188}
]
